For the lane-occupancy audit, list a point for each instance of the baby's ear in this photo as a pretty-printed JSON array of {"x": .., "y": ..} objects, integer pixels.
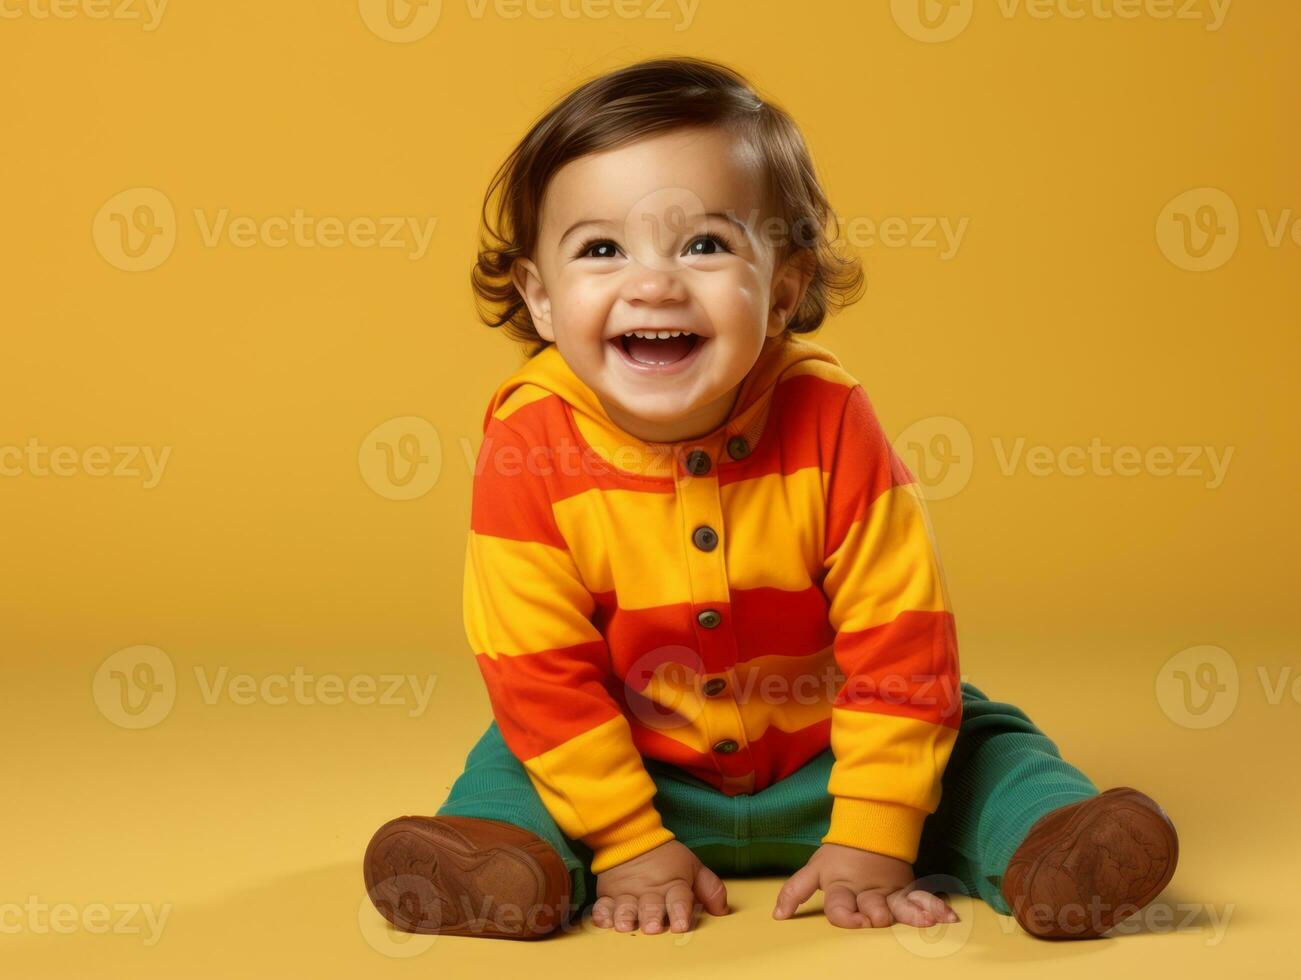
[
  {"x": 789, "y": 287},
  {"x": 528, "y": 283}
]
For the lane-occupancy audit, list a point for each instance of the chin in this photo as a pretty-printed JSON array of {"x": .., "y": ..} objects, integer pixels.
[{"x": 657, "y": 410}]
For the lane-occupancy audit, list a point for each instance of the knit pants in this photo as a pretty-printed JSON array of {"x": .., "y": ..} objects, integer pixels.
[{"x": 1003, "y": 775}]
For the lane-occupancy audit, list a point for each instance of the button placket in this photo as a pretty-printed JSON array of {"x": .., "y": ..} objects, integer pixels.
[{"x": 698, "y": 493}]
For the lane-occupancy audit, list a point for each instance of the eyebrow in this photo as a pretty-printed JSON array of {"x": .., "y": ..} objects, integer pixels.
[{"x": 607, "y": 221}]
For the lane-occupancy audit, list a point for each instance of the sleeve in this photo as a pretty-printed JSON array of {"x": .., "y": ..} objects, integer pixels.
[
  {"x": 895, "y": 720},
  {"x": 528, "y": 620}
]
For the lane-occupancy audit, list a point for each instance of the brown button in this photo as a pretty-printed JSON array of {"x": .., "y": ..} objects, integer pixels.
[
  {"x": 738, "y": 448},
  {"x": 726, "y": 746},
  {"x": 697, "y": 462},
  {"x": 714, "y": 686},
  {"x": 709, "y": 618},
  {"x": 704, "y": 537}
]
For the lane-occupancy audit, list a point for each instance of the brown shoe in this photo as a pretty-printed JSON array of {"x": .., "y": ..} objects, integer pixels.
[
  {"x": 466, "y": 876},
  {"x": 1087, "y": 865}
]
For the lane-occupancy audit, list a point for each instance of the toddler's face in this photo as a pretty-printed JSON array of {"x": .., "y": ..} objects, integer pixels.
[{"x": 664, "y": 234}]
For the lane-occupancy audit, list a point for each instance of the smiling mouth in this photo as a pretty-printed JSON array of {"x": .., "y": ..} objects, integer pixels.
[{"x": 655, "y": 348}]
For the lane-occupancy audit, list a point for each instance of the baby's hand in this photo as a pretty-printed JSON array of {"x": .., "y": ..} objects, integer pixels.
[
  {"x": 669, "y": 875},
  {"x": 862, "y": 888}
]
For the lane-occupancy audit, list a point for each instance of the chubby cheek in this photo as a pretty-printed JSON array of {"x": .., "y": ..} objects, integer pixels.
[
  {"x": 733, "y": 305},
  {"x": 581, "y": 310}
]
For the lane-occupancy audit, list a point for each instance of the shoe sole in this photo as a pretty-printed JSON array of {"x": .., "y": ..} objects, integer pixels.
[
  {"x": 463, "y": 876},
  {"x": 1118, "y": 848}
]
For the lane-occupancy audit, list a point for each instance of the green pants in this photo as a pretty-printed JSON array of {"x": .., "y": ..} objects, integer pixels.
[{"x": 1003, "y": 775}]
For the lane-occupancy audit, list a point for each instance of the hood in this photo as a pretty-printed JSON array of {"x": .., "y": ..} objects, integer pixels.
[{"x": 549, "y": 371}]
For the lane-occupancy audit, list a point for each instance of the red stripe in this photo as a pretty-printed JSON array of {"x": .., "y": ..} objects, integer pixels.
[
  {"x": 800, "y": 430},
  {"x": 780, "y": 622},
  {"x": 510, "y": 497},
  {"x": 544, "y": 699},
  {"x": 758, "y": 622},
  {"x": 773, "y": 756},
  {"x": 906, "y": 667},
  {"x": 865, "y": 466}
]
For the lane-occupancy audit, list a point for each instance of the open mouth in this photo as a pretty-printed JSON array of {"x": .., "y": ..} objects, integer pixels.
[{"x": 658, "y": 348}]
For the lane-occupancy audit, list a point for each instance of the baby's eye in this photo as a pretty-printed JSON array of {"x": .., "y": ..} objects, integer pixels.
[
  {"x": 587, "y": 247},
  {"x": 719, "y": 239},
  {"x": 585, "y": 250}
]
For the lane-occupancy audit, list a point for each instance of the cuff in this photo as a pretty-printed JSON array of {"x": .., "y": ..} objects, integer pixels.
[
  {"x": 873, "y": 825},
  {"x": 622, "y": 841}
]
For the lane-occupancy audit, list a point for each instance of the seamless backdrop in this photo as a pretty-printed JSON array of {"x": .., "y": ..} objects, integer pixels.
[{"x": 242, "y": 384}]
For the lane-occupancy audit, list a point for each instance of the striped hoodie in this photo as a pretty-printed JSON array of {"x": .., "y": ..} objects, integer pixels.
[{"x": 731, "y": 604}]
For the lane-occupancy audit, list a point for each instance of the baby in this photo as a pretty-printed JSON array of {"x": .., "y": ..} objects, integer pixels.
[{"x": 701, "y": 588}]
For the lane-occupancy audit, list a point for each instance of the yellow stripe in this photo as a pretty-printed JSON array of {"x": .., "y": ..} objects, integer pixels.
[
  {"x": 523, "y": 596},
  {"x": 759, "y": 517},
  {"x": 891, "y": 758},
  {"x": 596, "y": 788},
  {"x": 525, "y": 394},
  {"x": 652, "y": 542},
  {"x": 886, "y": 828},
  {"x": 887, "y": 564},
  {"x": 774, "y": 529},
  {"x": 787, "y": 693}
]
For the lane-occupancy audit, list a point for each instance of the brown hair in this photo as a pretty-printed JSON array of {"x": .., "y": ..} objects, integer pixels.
[{"x": 641, "y": 100}]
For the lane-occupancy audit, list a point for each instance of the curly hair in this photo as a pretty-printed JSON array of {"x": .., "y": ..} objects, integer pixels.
[{"x": 633, "y": 102}]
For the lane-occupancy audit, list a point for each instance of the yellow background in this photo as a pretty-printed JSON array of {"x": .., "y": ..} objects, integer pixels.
[{"x": 264, "y": 547}]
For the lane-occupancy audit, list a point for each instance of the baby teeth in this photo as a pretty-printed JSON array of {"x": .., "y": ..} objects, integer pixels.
[{"x": 656, "y": 334}]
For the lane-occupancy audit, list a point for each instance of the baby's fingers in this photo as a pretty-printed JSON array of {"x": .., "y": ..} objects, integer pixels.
[
  {"x": 625, "y": 913},
  {"x": 799, "y": 888},
  {"x": 603, "y": 911},
  {"x": 909, "y": 913},
  {"x": 712, "y": 891},
  {"x": 681, "y": 904},
  {"x": 873, "y": 905},
  {"x": 933, "y": 904},
  {"x": 650, "y": 909}
]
